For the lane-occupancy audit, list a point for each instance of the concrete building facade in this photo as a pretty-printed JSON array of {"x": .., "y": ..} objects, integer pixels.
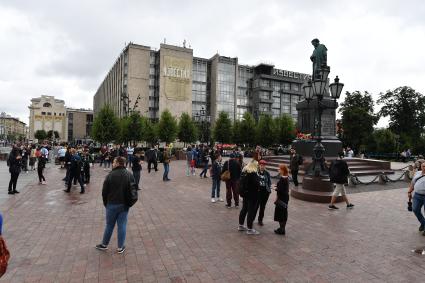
[
  {"x": 11, "y": 128},
  {"x": 48, "y": 114},
  {"x": 151, "y": 81}
]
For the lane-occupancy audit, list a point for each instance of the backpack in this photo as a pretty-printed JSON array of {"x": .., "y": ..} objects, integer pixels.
[
  {"x": 243, "y": 188},
  {"x": 4, "y": 256},
  {"x": 131, "y": 195}
]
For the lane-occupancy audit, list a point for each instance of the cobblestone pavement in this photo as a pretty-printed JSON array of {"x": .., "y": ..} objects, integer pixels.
[{"x": 175, "y": 234}]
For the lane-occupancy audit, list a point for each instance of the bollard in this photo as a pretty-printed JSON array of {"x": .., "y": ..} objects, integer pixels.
[
  {"x": 406, "y": 176},
  {"x": 382, "y": 179},
  {"x": 352, "y": 181}
]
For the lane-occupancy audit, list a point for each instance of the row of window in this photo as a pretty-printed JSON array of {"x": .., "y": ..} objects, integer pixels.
[{"x": 54, "y": 114}]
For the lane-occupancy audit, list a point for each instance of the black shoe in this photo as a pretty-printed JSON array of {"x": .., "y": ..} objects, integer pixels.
[
  {"x": 11, "y": 193},
  {"x": 279, "y": 231},
  {"x": 423, "y": 234},
  {"x": 350, "y": 205},
  {"x": 67, "y": 191},
  {"x": 82, "y": 192},
  {"x": 120, "y": 250},
  {"x": 168, "y": 179},
  {"x": 260, "y": 223},
  {"x": 421, "y": 228},
  {"x": 332, "y": 207},
  {"x": 15, "y": 192},
  {"x": 101, "y": 247},
  {"x": 236, "y": 205}
]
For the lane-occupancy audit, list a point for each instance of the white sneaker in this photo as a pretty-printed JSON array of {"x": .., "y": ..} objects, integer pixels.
[
  {"x": 213, "y": 200},
  {"x": 252, "y": 232},
  {"x": 242, "y": 228},
  {"x": 220, "y": 200}
]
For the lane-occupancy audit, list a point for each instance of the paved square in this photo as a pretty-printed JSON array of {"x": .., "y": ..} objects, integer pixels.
[{"x": 175, "y": 234}]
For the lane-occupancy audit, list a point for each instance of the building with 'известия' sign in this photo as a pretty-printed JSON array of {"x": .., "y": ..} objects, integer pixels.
[{"x": 151, "y": 81}]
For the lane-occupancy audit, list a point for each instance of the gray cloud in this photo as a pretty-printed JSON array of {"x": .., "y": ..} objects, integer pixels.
[{"x": 65, "y": 48}]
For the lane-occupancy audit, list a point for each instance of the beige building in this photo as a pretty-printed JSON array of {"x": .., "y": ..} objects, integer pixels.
[
  {"x": 151, "y": 81},
  {"x": 79, "y": 124},
  {"x": 49, "y": 114},
  {"x": 11, "y": 128}
]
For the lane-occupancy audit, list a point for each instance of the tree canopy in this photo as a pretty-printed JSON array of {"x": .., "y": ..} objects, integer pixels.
[
  {"x": 187, "y": 131},
  {"x": 285, "y": 129},
  {"x": 358, "y": 119},
  {"x": 167, "y": 127},
  {"x": 248, "y": 129},
  {"x": 40, "y": 135},
  {"x": 106, "y": 126},
  {"x": 223, "y": 128},
  {"x": 266, "y": 131}
]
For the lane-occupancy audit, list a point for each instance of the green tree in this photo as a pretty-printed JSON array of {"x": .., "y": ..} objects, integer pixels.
[
  {"x": 383, "y": 141},
  {"x": 132, "y": 128},
  {"x": 285, "y": 129},
  {"x": 266, "y": 131},
  {"x": 106, "y": 126},
  {"x": 248, "y": 129},
  {"x": 406, "y": 109},
  {"x": 358, "y": 119},
  {"x": 151, "y": 132},
  {"x": 187, "y": 131},
  {"x": 167, "y": 127},
  {"x": 223, "y": 128},
  {"x": 52, "y": 134},
  {"x": 236, "y": 135},
  {"x": 40, "y": 135}
]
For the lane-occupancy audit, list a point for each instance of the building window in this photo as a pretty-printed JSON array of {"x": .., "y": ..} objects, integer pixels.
[
  {"x": 43, "y": 113},
  {"x": 47, "y": 104},
  {"x": 49, "y": 113}
]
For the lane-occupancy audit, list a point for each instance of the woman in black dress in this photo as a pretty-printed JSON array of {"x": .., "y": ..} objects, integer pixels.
[{"x": 282, "y": 198}]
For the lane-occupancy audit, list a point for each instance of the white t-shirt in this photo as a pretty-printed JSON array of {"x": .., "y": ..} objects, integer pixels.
[{"x": 419, "y": 185}]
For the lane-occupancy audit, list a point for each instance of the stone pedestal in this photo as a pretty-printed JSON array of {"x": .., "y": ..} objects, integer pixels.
[{"x": 315, "y": 189}]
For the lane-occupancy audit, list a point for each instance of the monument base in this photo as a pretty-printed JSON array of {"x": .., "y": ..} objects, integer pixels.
[
  {"x": 315, "y": 189},
  {"x": 305, "y": 147}
]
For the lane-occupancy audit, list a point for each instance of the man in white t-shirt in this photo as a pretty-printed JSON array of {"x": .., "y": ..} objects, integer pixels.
[{"x": 418, "y": 186}]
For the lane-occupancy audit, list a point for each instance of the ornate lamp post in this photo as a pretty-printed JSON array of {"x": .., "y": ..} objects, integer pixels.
[
  {"x": 318, "y": 89},
  {"x": 204, "y": 119}
]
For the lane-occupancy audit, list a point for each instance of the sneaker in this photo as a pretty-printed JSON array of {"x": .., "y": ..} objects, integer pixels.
[
  {"x": 213, "y": 200},
  {"x": 333, "y": 207},
  {"x": 252, "y": 232},
  {"x": 242, "y": 228},
  {"x": 15, "y": 192},
  {"x": 236, "y": 206},
  {"x": 101, "y": 247},
  {"x": 228, "y": 206},
  {"x": 220, "y": 200},
  {"x": 279, "y": 231},
  {"x": 11, "y": 193},
  {"x": 43, "y": 183},
  {"x": 350, "y": 205},
  {"x": 421, "y": 228},
  {"x": 120, "y": 250}
]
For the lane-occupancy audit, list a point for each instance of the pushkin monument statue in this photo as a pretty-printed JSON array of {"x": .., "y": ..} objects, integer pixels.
[{"x": 319, "y": 57}]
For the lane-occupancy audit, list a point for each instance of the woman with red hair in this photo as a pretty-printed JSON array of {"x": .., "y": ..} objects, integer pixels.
[{"x": 282, "y": 198}]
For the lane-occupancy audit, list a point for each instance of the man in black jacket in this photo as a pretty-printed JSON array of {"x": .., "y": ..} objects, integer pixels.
[
  {"x": 295, "y": 161},
  {"x": 235, "y": 169},
  {"x": 117, "y": 187},
  {"x": 152, "y": 157},
  {"x": 338, "y": 173},
  {"x": 15, "y": 163}
]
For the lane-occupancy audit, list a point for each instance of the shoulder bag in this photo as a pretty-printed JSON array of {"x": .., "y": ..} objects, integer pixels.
[{"x": 225, "y": 176}]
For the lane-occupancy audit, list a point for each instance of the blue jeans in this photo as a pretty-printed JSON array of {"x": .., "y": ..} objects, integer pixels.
[
  {"x": 136, "y": 175},
  {"x": 166, "y": 170},
  {"x": 115, "y": 213},
  {"x": 204, "y": 172},
  {"x": 418, "y": 203},
  {"x": 215, "y": 192}
]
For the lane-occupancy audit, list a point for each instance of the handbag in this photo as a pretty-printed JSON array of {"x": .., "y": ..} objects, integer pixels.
[
  {"x": 4, "y": 256},
  {"x": 280, "y": 203},
  {"x": 225, "y": 176}
]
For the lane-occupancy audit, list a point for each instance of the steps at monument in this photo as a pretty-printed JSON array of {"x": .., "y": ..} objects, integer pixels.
[{"x": 358, "y": 166}]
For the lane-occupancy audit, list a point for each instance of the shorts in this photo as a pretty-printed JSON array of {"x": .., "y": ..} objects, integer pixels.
[{"x": 339, "y": 189}]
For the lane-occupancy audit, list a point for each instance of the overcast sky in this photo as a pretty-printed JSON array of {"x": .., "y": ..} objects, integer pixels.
[{"x": 65, "y": 48}]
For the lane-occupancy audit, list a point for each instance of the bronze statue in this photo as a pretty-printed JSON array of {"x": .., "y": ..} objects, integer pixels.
[{"x": 319, "y": 57}]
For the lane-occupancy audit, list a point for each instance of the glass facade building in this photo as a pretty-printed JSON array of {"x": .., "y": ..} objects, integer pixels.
[{"x": 218, "y": 84}]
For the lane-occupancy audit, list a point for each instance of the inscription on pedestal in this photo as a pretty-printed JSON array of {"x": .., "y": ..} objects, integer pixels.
[{"x": 328, "y": 125}]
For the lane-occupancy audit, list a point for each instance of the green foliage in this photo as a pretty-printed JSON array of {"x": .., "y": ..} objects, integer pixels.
[
  {"x": 406, "y": 109},
  {"x": 223, "y": 128},
  {"x": 151, "y": 131},
  {"x": 285, "y": 129},
  {"x": 167, "y": 127},
  {"x": 248, "y": 129},
  {"x": 187, "y": 131},
  {"x": 106, "y": 126},
  {"x": 358, "y": 119},
  {"x": 132, "y": 128},
  {"x": 40, "y": 135},
  {"x": 383, "y": 141},
  {"x": 237, "y": 134},
  {"x": 266, "y": 131},
  {"x": 52, "y": 134}
]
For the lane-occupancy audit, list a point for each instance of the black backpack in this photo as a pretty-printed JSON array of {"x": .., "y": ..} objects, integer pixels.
[
  {"x": 131, "y": 195},
  {"x": 243, "y": 188}
]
